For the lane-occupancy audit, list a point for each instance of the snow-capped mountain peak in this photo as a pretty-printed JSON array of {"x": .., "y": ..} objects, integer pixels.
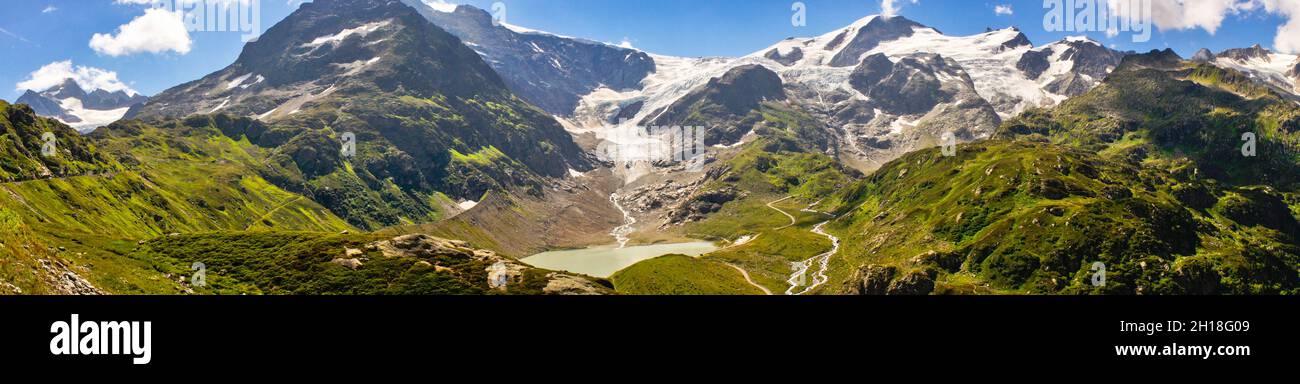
[
  {"x": 69, "y": 103},
  {"x": 1277, "y": 70},
  {"x": 969, "y": 81},
  {"x": 548, "y": 70}
]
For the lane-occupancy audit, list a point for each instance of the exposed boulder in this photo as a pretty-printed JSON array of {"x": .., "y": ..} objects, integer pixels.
[
  {"x": 913, "y": 283},
  {"x": 700, "y": 205},
  {"x": 871, "y": 280}
]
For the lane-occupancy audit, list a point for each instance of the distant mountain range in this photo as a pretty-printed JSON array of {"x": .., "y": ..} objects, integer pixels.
[
  {"x": 1277, "y": 70},
  {"x": 72, "y": 105}
]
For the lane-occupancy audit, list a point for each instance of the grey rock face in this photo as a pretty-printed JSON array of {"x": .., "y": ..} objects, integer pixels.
[
  {"x": 104, "y": 100},
  {"x": 723, "y": 102},
  {"x": 872, "y": 70},
  {"x": 1019, "y": 41},
  {"x": 788, "y": 59},
  {"x": 1070, "y": 84},
  {"x": 914, "y": 283},
  {"x": 1245, "y": 54},
  {"x": 1034, "y": 63},
  {"x": 1091, "y": 59},
  {"x": 909, "y": 87},
  {"x": 1203, "y": 55},
  {"x": 871, "y": 280},
  {"x": 551, "y": 72},
  {"x": 46, "y": 106},
  {"x": 331, "y": 48},
  {"x": 69, "y": 88},
  {"x": 878, "y": 30}
]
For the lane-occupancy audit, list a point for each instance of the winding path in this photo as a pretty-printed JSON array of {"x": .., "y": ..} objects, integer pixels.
[
  {"x": 792, "y": 219},
  {"x": 745, "y": 273}
]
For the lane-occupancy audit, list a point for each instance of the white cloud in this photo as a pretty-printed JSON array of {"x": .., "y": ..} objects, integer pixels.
[
  {"x": 626, "y": 43},
  {"x": 888, "y": 9},
  {"x": 49, "y": 9},
  {"x": 1209, "y": 15},
  {"x": 157, "y": 31},
  {"x": 1004, "y": 9},
  {"x": 89, "y": 78},
  {"x": 1288, "y": 34},
  {"x": 1203, "y": 14}
]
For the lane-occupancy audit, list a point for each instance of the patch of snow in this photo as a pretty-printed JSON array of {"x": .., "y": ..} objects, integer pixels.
[
  {"x": 530, "y": 31},
  {"x": 1272, "y": 69},
  {"x": 238, "y": 80},
  {"x": 1083, "y": 39},
  {"x": 574, "y": 173},
  {"x": 268, "y": 113},
  {"x": 336, "y": 38},
  {"x": 899, "y": 124},
  {"x": 742, "y": 240},
  {"x": 223, "y": 104},
  {"x": 440, "y": 5},
  {"x": 90, "y": 118},
  {"x": 467, "y": 204},
  {"x": 356, "y": 67},
  {"x": 257, "y": 81}
]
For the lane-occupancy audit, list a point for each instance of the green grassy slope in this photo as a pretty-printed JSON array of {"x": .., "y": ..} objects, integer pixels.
[
  {"x": 681, "y": 275},
  {"x": 151, "y": 181},
  {"x": 1144, "y": 174}
]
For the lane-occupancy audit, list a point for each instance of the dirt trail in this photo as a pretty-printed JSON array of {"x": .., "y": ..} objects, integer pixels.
[
  {"x": 745, "y": 273},
  {"x": 792, "y": 219}
]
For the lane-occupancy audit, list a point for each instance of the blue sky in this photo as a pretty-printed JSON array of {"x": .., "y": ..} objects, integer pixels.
[{"x": 36, "y": 33}]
